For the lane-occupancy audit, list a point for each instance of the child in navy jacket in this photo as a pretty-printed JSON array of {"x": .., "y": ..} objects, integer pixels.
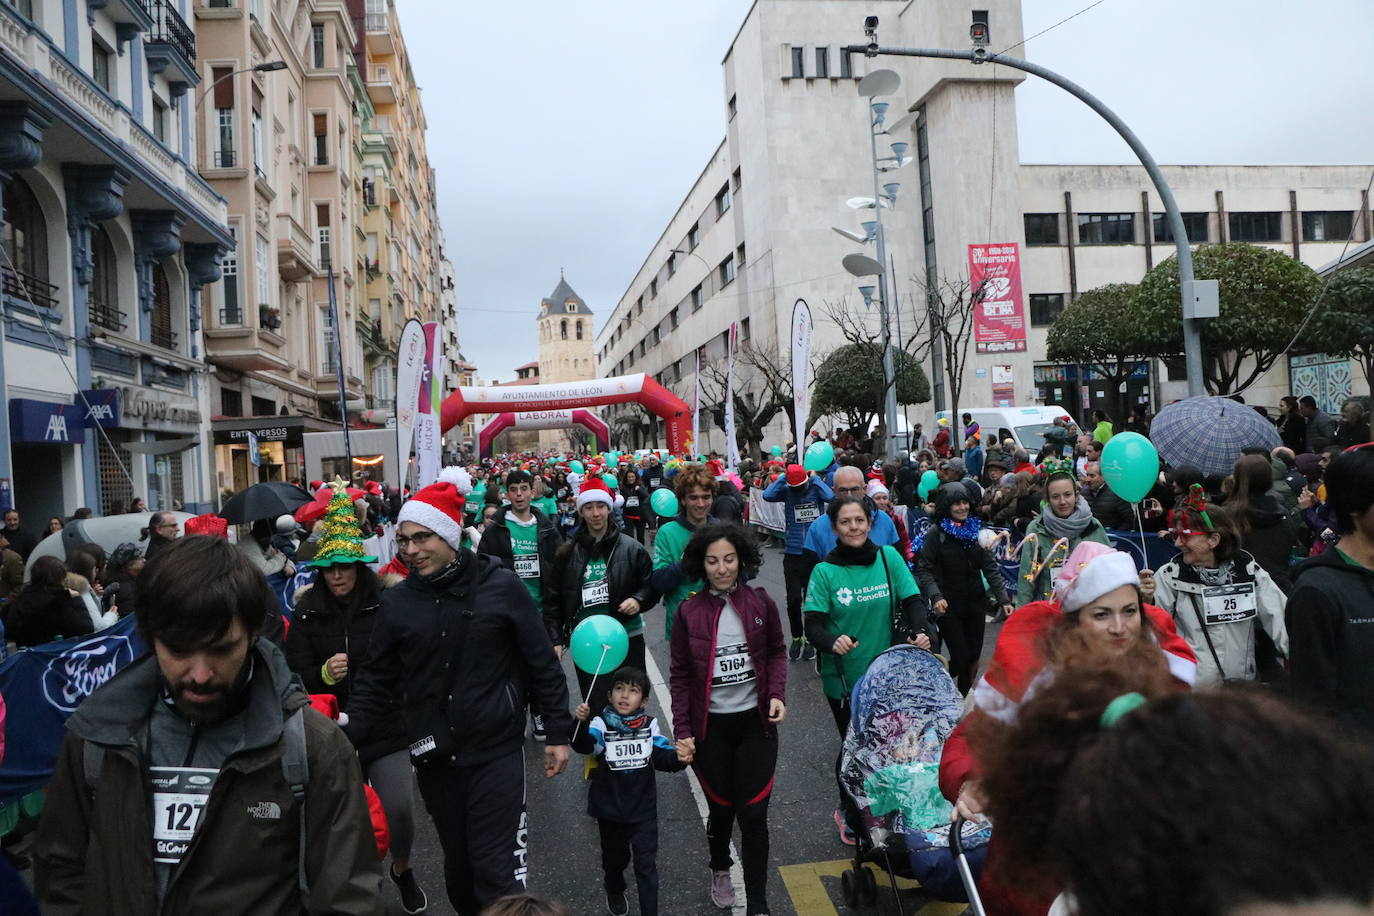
[{"x": 628, "y": 747}]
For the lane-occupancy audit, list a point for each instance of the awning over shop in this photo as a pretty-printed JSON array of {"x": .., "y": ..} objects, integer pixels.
[{"x": 162, "y": 446}]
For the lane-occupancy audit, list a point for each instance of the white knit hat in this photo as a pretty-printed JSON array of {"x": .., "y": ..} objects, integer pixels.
[
  {"x": 875, "y": 487},
  {"x": 1090, "y": 572},
  {"x": 439, "y": 506}
]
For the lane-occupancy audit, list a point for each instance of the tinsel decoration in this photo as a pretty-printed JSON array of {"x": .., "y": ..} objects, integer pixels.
[{"x": 341, "y": 536}]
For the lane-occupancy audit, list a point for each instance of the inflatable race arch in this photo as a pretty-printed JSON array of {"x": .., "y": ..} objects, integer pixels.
[
  {"x": 543, "y": 419},
  {"x": 563, "y": 396}
]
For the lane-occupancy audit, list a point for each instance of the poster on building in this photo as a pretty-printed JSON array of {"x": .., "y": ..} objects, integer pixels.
[
  {"x": 999, "y": 321},
  {"x": 1003, "y": 386}
]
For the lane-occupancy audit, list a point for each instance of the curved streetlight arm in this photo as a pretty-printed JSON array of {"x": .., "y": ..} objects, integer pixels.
[
  {"x": 267, "y": 67},
  {"x": 1192, "y": 342}
]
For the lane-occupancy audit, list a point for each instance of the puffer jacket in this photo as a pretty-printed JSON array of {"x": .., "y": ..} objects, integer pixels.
[
  {"x": 1231, "y": 611},
  {"x": 319, "y": 630},
  {"x": 1330, "y": 618},
  {"x": 94, "y": 854},
  {"x": 629, "y": 570},
  {"x": 694, "y": 655}
]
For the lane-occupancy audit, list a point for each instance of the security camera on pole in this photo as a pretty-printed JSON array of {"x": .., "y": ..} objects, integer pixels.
[{"x": 880, "y": 83}]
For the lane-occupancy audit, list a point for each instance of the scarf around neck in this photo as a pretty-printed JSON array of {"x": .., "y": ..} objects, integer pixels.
[
  {"x": 968, "y": 531},
  {"x": 844, "y": 555},
  {"x": 624, "y": 724},
  {"x": 1075, "y": 526},
  {"x": 1220, "y": 575}
]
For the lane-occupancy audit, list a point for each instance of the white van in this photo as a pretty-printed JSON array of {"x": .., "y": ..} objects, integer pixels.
[{"x": 1027, "y": 425}]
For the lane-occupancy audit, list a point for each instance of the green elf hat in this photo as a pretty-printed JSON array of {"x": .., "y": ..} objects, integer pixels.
[{"x": 341, "y": 537}]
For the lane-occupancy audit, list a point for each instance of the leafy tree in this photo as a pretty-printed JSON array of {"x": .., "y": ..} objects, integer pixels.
[
  {"x": 850, "y": 383},
  {"x": 1101, "y": 329},
  {"x": 1265, "y": 296},
  {"x": 1344, "y": 321}
]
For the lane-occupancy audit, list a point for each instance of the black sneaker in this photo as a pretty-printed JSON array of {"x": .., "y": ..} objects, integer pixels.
[
  {"x": 794, "y": 652},
  {"x": 616, "y": 904},
  {"x": 809, "y": 653},
  {"x": 538, "y": 727},
  {"x": 413, "y": 900}
]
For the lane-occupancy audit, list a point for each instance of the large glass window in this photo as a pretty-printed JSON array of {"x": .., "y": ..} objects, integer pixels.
[
  {"x": 232, "y": 310},
  {"x": 727, "y": 271},
  {"x": 25, "y": 235},
  {"x": 160, "y": 322},
  {"x": 1327, "y": 225},
  {"x": 798, "y": 62},
  {"x": 317, "y": 45},
  {"x": 1106, "y": 228},
  {"x": 1194, "y": 224},
  {"x": 1042, "y": 228},
  {"x": 1044, "y": 308},
  {"x": 104, "y": 290},
  {"x": 722, "y": 201},
  {"x": 1255, "y": 227}
]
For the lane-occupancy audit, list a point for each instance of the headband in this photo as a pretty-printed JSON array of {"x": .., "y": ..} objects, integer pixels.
[{"x": 1119, "y": 708}]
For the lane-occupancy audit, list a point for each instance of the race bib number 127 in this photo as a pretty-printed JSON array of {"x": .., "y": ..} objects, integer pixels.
[{"x": 179, "y": 797}]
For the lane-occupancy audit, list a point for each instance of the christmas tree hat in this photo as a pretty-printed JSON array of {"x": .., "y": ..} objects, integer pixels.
[{"x": 341, "y": 537}]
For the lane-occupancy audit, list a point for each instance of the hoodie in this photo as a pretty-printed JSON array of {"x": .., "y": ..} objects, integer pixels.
[{"x": 1330, "y": 618}]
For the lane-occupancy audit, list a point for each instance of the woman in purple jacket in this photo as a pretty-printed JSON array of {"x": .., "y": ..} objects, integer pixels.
[{"x": 728, "y": 679}]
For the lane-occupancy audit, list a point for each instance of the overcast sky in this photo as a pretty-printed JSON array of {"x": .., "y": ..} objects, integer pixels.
[{"x": 567, "y": 134}]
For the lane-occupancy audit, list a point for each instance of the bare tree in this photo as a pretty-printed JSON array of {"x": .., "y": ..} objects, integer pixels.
[
  {"x": 862, "y": 328},
  {"x": 948, "y": 319},
  {"x": 762, "y": 390}
]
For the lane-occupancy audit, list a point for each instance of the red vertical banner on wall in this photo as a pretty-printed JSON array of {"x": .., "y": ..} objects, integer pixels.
[{"x": 999, "y": 322}]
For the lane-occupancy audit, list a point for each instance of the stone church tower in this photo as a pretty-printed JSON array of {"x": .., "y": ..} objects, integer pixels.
[{"x": 565, "y": 349}]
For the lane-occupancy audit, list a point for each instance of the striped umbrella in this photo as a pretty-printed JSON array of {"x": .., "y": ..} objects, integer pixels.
[{"x": 1210, "y": 433}]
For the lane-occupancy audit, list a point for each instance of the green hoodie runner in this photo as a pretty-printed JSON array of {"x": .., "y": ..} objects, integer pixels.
[{"x": 669, "y": 544}]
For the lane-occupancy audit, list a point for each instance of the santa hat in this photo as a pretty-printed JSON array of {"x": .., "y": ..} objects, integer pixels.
[
  {"x": 875, "y": 487},
  {"x": 594, "y": 491},
  {"x": 1090, "y": 572},
  {"x": 207, "y": 524},
  {"x": 796, "y": 475},
  {"x": 716, "y": 468},
  {"x": 439, "y": 506}
]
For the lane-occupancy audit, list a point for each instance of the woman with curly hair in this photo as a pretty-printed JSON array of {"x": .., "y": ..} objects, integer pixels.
[
  {"x": 1125, "y": 795},
  {"x": 695, "y": 487},
  {"x": 1099, "y": 617},
  {"x": 729, "y": 680},
  {"x": 1065, "y": 520}
]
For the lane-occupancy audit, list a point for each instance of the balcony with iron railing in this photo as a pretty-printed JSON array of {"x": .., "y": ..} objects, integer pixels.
[
  {"x": 106, "y": 315},
  {"x": 225, "y": 158},
  {"x": 379, "y": 38},
  {"x": 171, "y": 45},
  {"x": 27, "y": 289},
  {"x": 161, "y": 335}
]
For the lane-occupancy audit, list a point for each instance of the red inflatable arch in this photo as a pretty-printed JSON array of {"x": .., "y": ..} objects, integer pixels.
[
  {"x": 543, "y": 419},
  {"x": 639, "y": 388}
]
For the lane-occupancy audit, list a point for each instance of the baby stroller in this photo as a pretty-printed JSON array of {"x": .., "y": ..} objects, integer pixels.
[{"x": 901, "y": 711}]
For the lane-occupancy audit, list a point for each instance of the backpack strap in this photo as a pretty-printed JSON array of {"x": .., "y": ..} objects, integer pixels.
[{"x": 295, "y": 768}]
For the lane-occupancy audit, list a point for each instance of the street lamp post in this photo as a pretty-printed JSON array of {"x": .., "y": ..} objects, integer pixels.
[
  {"x": 266, "y": 67},
  {"x": 1200, "y": 297}
]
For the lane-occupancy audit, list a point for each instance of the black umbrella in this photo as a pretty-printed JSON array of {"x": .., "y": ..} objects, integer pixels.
[{"x": 264, "y": 500}]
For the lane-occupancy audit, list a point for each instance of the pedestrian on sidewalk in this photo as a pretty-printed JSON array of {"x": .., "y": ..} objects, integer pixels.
[
  {"x": 729, "y": 681},
  {"x": 628, "y": 746}
]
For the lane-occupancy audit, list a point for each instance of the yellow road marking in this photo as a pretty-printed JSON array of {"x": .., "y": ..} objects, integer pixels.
[{"x": 811, "y": 898}]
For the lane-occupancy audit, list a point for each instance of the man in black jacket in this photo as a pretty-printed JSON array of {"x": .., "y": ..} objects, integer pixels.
[
  {"x": 1330, "y": 613},
  {"x": 526, "y": 542},
  {"x": 1108, "y": 508},
  {"x": 460, "y": 642}
]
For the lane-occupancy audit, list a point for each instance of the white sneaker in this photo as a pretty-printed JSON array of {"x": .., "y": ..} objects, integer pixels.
[{"x": 722, "y": 891}]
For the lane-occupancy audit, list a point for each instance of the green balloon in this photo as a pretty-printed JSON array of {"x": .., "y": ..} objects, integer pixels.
[
  {"x": 1130, "y": 466},
  {"x": 777, "y": 451},
  {"x": 610, "y": 481},
  {"x": 819, "y": 456},
  {"x": 577, "y": 467},
  {"x": 664, "y": 502},
  {"x": 599, "y": 644},
  {"x": 929, "y": 481}
]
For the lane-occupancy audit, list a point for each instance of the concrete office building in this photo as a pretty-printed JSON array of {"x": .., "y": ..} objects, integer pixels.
[
  {"x": 753, "y": 233},
  {"x": 110, "y": 241}
]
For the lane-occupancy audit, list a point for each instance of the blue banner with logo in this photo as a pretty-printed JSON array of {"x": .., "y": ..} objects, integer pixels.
[
  {"x": 42, "y": 686},
  {"x": 103, "y": 409},
  {"x": 45, "y": 421}
]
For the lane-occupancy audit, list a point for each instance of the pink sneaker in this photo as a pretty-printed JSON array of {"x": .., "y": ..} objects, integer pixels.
[{"x": 846, "y": 835}]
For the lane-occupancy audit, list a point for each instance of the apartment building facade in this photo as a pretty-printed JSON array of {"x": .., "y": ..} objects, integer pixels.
[
  {"x": 111, "y": 250},
  {"x": 302, "y": 138},
  {"x": 754, "y": 231}
]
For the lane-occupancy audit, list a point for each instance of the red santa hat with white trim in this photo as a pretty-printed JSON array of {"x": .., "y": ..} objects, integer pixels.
[
  {"x": 594, "y": 490},
  {"x": 439, "y": 506}
]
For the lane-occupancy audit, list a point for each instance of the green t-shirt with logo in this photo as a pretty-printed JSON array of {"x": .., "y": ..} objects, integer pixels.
[
  {"x": 669, "y": 544},
  {"x": 524, "y": 547},
  {"x": 860, "y": 605},
  {"x": 548, "y": 505},
  {"x": 596, "y": 596}
]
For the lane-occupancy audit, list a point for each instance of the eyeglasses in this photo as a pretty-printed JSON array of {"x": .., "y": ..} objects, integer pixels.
[
  {"x": 420, "y": 539},
  {"x": 1173, "y": 534},
  {"x": 848, "y": 491}
]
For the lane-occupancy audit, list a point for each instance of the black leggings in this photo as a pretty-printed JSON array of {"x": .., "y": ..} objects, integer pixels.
[
  {"x": 962, "y": 630},
  {"x": 634, "y": 527},
  {"x": 796, "y": 570},
  {"x": 734, "y": 763}
]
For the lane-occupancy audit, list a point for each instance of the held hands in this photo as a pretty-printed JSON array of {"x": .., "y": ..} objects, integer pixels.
[
  {"x": 337, "y": 666},
  {"x": 629, "y": 607},
  {"x": 1147, "y": 585},
  {"x": 555, "y": 759},
  {"x": 844, "y": 645},
  {"x": 583, "y": 712},
  {"x": 940, "y": 606},
  {"x": 776, "y": 711},
  {"x": 558, "y": 650},
  {"x": 686, "y": 749}
]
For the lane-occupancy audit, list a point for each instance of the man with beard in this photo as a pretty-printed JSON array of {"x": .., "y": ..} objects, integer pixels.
[{"x": 198, "y": 779}]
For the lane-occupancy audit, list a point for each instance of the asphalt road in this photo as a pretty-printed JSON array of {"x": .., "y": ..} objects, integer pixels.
[{"x": 806, "y": 856}]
